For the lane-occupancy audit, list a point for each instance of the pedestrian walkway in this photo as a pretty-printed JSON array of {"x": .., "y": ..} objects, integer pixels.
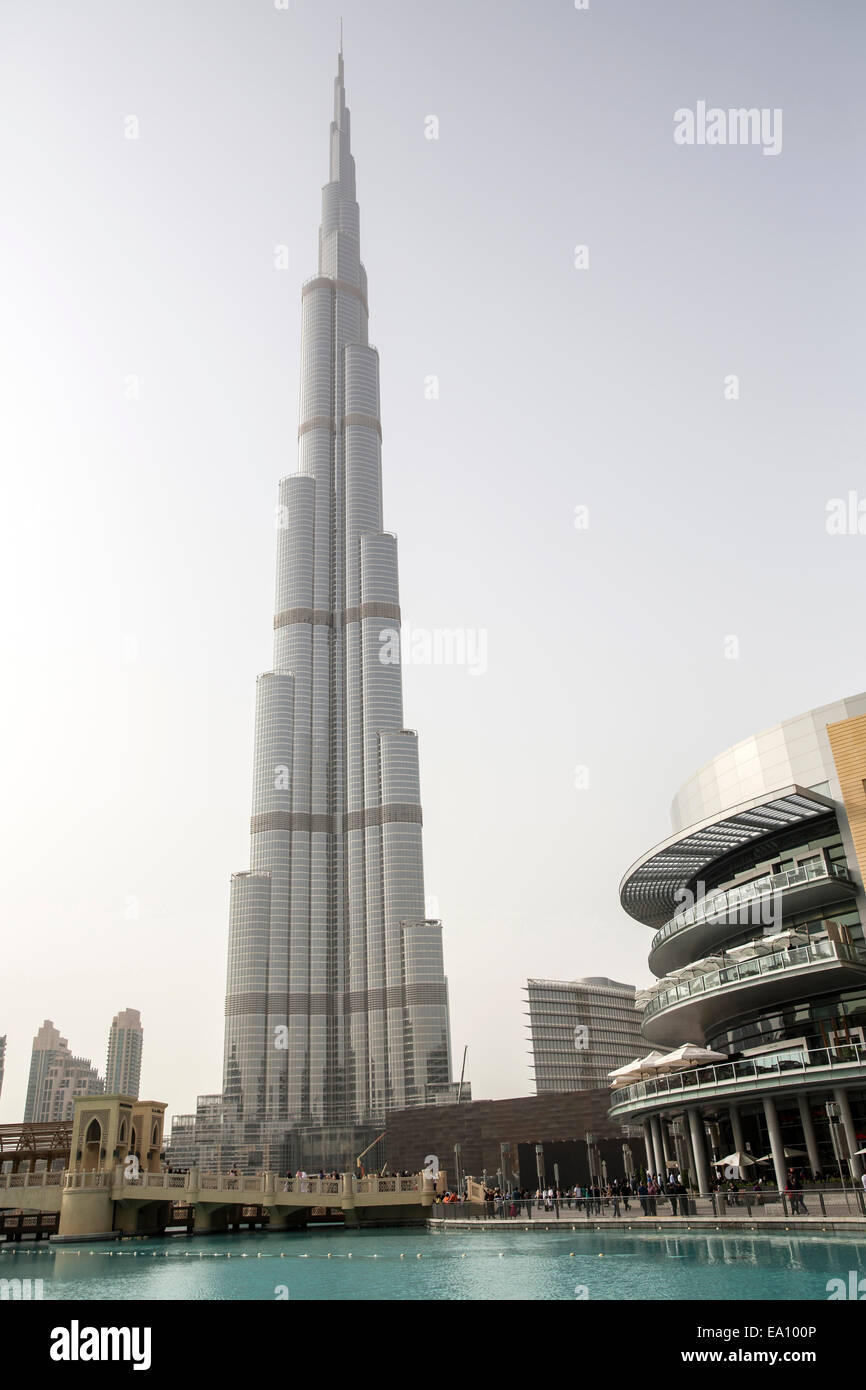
[{"x": 812, "y": 1206}]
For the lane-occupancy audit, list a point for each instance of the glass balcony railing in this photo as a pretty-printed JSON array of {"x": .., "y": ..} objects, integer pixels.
[
  {"x": 750, "y": 969},
  {"x": 733, "y": 900},
  {"x": 774, "y": 1065}
]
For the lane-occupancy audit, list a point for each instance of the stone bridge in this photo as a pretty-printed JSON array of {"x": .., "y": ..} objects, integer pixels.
[{"x": 101, "y": 1202}]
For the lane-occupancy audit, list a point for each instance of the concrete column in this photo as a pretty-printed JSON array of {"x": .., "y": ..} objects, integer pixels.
[
  {"x": 682, "y": 1155},
  {"x": 282, "y": 1217},
  {"x": 87, "y": 1211},
  {"x": 211, "y": 1216},
  {"x": 648, "y": 1144},
  {"x": 776, "y": 1146},
  {"x": 841, "y": 1098},
  {"x": 667, "y": 1145},
  {"x": 126, "y": 1216},
  {"x": 736, "y": 1128},
  {"x": 809, "y": 1132},
  {"x": 658, "y": 1151},
  {"x": 700, "y": 1170}
]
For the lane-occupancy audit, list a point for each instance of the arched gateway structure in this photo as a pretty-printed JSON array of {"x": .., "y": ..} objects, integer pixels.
[{"x": 756, "y": 902}]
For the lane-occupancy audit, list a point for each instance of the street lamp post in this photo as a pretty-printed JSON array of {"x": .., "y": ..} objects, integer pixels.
[
  {"x": 504, "y": 1164},
  {"x": 838, "y": 1137},
  {"x": 591, "y": 1157}
]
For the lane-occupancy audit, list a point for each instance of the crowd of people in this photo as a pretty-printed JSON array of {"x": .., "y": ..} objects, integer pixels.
[
  {"x": 753, "y": 1193},
  {"x": 301, "y": 1177},
  {"x": 653, "y": 1194},
  {"x": 615, "y": 1197}
]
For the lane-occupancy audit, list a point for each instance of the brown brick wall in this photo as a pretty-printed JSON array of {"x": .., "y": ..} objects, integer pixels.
[{"x": 480, "y": 1126}]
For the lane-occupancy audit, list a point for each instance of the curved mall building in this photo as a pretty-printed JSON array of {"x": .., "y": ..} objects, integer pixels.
[{"x": 756, "y": 905}]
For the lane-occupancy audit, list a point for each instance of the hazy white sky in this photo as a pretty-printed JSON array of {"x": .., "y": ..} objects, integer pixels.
[{"x": 138, "y": 545}]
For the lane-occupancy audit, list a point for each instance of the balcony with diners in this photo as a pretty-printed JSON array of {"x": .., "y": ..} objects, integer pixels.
[{"x": 767, "y": 898}]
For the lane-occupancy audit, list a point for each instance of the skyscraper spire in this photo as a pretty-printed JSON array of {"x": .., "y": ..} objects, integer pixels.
[
  {"x": 336, "y": 1004},
  {"x": 342, "y": 164}
]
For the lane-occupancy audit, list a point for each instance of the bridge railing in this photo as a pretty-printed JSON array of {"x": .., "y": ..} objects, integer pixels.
[
  {"x": 164, "y": 1180},
  {"x": 82, "y": 1180},
  {"x": 384, "y": 1185},
  {"x": 320, "y": 1187},
  {"x": 346, "y": 1184},
  {"x": 43, "y": 1179},
  {"x": 234, "y": 1182}
]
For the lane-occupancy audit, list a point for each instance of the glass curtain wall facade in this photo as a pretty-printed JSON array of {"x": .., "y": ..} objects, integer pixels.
[
  {"x": 756, "y": 903},
  {"x": 336, "y": 1004}
]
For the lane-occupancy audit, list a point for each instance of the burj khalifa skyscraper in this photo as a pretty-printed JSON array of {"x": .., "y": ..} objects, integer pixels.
[{"x": 336, "y": 998}]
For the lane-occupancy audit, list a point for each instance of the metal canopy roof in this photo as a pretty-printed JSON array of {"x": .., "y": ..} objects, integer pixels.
[{"x": 649, "y": 889}]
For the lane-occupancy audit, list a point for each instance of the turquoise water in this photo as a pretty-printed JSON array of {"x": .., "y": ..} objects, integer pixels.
[{"x": 484, "y": 1264}]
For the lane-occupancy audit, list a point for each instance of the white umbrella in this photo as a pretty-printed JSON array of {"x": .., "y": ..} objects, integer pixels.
[
  {"x": 749, "y": 950},
  {"x": 690, "y": 1055},
  {"x": 707, "y": 963},
  {"x": 647, "y": 1063},
  {"x": 633, "y": 1071},
  {"x": 650, "y": 1062},
  {"x": 781, "y": 939},
  {"x": 789, "y": 1153},
  {"x": 735, "y": 1160},
  {"x": 629, "y": 1069},
  {"x": 685, "y": 972}
]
